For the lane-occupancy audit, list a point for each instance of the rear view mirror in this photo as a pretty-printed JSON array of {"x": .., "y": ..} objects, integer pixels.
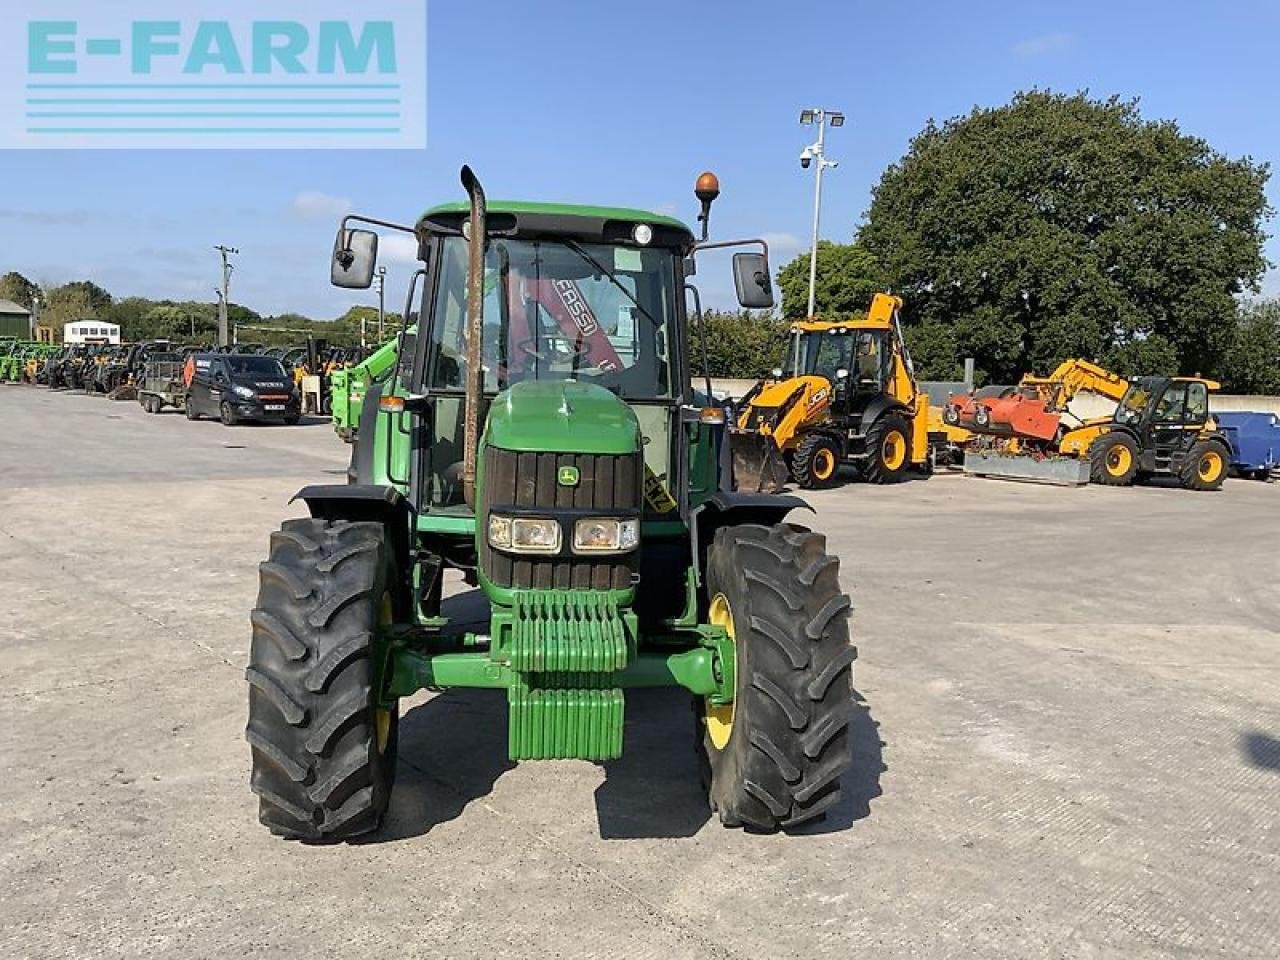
[
  {"x": 355, "y": 254},
  {"x": 751, "y": 278}
]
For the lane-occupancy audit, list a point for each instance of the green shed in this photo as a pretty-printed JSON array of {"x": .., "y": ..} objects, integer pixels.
[{"x": 15, "y": 320}]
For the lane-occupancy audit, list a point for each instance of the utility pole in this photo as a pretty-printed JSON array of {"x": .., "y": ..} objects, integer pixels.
[
  {"x": 816, "y": 151},
  {"x": 225, "y": 292},
  {"x": 382, "y": 303}
]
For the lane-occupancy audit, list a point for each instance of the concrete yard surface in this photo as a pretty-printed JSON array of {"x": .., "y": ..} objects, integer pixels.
[{"x": 1066, "y": 737}]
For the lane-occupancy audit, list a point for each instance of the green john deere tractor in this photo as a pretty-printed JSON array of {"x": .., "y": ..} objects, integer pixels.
[{"x": 540, "y": 434}]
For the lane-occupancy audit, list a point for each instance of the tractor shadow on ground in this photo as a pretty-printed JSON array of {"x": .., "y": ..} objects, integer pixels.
[
  {"x": 453, "y": 749},
  {"x": 654, "y": 791},
  {"x": 1261, "y": 750}
]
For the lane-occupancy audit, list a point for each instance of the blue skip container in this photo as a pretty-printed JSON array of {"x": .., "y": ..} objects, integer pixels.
[{"x": 1255, "y": 443}]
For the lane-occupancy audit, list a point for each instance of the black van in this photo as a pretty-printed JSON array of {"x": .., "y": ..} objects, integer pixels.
[{"x": 235, "y": 387}]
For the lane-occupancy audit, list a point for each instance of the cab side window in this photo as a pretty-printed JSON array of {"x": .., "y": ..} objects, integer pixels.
[
  {"x": 1171, "y": 405},
  {"x": 1197, "y": 403}
]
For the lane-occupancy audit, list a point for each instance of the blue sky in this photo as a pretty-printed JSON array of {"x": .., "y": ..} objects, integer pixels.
[{"x": 624, "y": 103}]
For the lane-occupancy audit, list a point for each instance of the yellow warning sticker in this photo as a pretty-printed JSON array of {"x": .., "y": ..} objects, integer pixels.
[{"x": 656, "y": 494}]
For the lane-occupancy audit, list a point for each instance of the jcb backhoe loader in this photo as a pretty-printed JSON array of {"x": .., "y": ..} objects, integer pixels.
[{"x": 850, "y": 397}]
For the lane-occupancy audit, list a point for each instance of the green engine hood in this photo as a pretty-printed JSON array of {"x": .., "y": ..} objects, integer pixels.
[{"x": 561, "y": 416}]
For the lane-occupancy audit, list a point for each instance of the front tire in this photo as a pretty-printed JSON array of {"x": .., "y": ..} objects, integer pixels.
[
  {"x": 227, "y": 415},
  {"x": 888, "y": 450},
  {"x": 189, "y": 408},
  {"x": 1205, "y": 467},
  {"x": 774, "y": 758},
  {"x": 1113, "y": 460},
  {"x": 816, "y": 462},
  {"x": 323, "y": 742}
]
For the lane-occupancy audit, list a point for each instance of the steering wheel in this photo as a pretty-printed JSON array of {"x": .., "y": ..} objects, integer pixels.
[{"x": 551, "y": 354}]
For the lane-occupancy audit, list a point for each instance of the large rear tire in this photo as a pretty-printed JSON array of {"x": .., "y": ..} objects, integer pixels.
[
  {"x": 1205, "y": 467},
  {"x": 324, "y": 744},
  {"x": 888, "y": 450},
  {"x": 816, "y": 462},
  {"x": 1113, "y": 460},
  {"x": 774, "y": 758}
]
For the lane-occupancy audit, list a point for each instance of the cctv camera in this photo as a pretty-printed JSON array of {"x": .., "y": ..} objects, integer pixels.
[{"x": 805, "y": 160}]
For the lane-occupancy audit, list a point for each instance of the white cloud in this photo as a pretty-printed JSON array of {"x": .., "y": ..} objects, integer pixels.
[
  {"x": 398, "y": 248},
  {"x": 1271, "y": 282},
  {"x": 313, "y": 205},
  {"x": 1044, "y": 45},
  {"x": 783, "y": 245}
]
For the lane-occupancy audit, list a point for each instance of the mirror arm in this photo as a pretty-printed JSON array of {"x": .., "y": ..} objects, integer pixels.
[
  {"x": 722, "y": 244},
  {"x": 345, "y": 253},
  {"x": 357, "y": 218},
  {"x": 702, "y": 331}
]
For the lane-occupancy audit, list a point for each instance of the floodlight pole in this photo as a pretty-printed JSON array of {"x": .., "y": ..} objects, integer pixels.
[
  {"x": 225, "y": 292},
  {"x": 382, "y": 303},
  {"x": 818, "y": 155}
]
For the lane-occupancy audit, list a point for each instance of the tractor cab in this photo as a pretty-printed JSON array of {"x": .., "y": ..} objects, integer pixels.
[
  {"x": 856, "y": 360},
  {"x": 570, "y": 317},
  {"x": 1154, "y": 401}
]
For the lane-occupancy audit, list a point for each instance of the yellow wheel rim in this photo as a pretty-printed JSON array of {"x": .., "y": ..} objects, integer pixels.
[
  {"x": 824, "y": 464},
  {"x": 719, "y": 717},
  {"x": 894, "y": 450},
  {"x": 1210, "y": 466},
  {"x": 1119, "y": 460},
  {"x": 382, "y": 716}
]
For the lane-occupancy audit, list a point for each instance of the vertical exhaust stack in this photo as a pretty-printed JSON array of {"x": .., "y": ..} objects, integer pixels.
[{"x": 475, "y": 331}]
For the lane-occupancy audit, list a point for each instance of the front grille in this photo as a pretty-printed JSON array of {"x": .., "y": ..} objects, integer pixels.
[{"x": 522, "y": 480}]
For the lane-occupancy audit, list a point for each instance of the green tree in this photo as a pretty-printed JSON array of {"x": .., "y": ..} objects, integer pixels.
[
  {"x": 14, "y": 286},
  {"x": 79, "y": 300},
  {"x": 741, "y": 345},
  {"x": 847, "y": 277},
  {"x": 1253, "y": 362},
  {"x": 1059, "y": 226},
  {"x": 84, "y": 295}
]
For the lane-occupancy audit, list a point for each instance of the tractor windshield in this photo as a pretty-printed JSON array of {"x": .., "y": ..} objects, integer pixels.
[{"x": 559, "y": 310}]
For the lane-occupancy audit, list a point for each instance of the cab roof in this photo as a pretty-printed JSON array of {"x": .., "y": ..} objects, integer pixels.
[{"x": 524, "y": 218}]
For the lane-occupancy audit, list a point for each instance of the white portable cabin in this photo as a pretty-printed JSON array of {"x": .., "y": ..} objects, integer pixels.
[{"x": 91, "y": 331}]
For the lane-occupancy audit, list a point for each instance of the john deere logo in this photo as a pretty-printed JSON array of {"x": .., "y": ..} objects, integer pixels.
[{"x": 569, "y": 477}]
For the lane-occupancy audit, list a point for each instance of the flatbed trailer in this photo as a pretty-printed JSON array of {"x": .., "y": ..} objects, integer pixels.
[{"x": 163, "y": 384}]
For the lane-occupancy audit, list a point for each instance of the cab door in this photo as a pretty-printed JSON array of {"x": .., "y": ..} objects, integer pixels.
[{"x": 1172, "y": 431}]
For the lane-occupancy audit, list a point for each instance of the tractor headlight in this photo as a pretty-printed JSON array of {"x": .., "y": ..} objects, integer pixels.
[
  {"x": 242, "y": 392},
  {"x": 524, "y": 534},
  {"x": 605, "y": 535}
]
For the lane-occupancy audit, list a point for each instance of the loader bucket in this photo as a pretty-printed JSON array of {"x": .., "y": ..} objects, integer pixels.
[{"x": 758, "y": 466}]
